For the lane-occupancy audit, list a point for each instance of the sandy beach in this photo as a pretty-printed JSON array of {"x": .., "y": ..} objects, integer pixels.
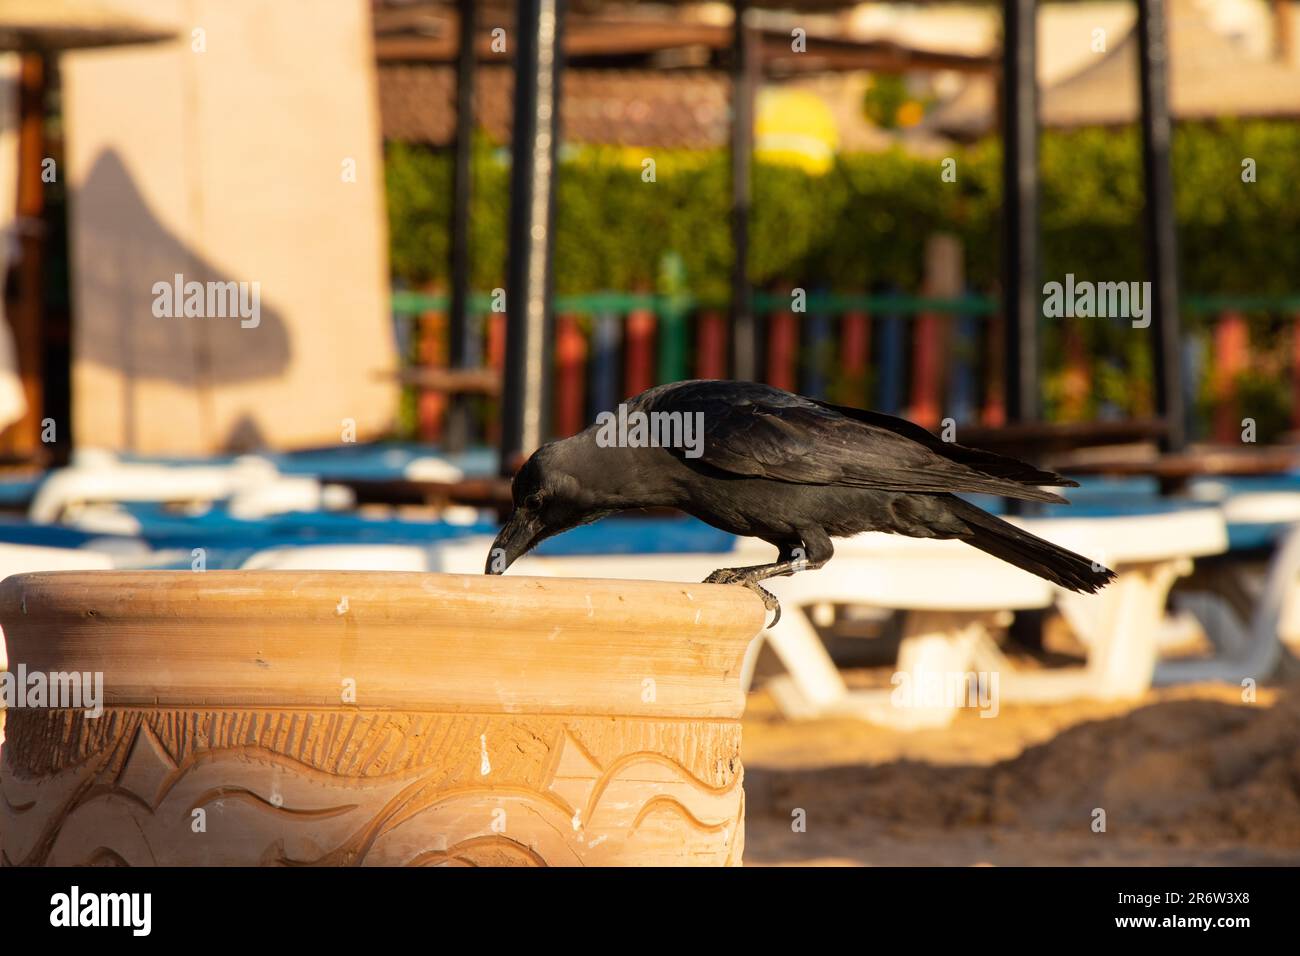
[{"x": 1185, "y": 776}]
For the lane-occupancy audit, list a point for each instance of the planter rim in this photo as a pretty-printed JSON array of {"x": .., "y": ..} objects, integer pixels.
[{"x": 395, "y": 640}]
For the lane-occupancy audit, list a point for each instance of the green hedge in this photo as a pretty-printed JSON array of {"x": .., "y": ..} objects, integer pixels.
[{"x": 865, "y": 222}]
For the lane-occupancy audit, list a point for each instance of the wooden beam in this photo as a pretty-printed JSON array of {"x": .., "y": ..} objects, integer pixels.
[
  {"x": 639, "y": 39},
  {"x": 453, "y": 381}
]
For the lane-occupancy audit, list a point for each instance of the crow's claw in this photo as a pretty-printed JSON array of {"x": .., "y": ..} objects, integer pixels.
[
  {"x": 737, "y": 576},
  {"x": 769, "y": 600}
]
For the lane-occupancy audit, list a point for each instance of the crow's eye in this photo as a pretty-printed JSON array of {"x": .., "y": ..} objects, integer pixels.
[{"x": 533, "y": 501}]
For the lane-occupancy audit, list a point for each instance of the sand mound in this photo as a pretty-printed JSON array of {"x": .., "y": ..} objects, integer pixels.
[
  {"x": 1184, "y": 769},
  {"x": 1179, "y": 773}
]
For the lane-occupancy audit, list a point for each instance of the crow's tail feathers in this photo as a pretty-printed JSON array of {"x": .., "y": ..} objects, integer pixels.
[{"x": 1029, "y": 552}]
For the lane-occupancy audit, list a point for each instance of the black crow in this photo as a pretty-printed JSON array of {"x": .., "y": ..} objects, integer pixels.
[{"x": 755, "y": 460}]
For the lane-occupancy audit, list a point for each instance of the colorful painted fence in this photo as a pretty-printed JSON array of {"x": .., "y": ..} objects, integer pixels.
[{"x": 927, "y": 358}]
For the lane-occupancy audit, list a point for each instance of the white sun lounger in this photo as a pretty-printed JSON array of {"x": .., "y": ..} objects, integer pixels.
[
  {"x": 27, "y": 558},
  {"x": 468, "y": 555},
  {"x": 1121, "y": 625},
  {"x": 1249, "y": 650},
  {"x": 956, "y": 599},
  {"x": 343, "y": 557},
  {"x": 253, "y": 485}
]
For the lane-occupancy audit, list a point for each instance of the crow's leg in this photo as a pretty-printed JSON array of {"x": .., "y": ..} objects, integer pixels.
[{"x": 811, "y": 552}]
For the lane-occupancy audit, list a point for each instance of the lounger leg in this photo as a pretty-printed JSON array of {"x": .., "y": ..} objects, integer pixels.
[
  {"x": 812, "y": 685},
  {"x": 935, "y": 677},
  {"x": 1123, "y": 660},
  {"x": 1264, "y": 649},
  {"x": 1124, "y": 646}
]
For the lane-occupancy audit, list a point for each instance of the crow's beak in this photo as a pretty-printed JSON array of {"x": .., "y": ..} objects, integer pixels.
[{"x": 516, "y": 538}]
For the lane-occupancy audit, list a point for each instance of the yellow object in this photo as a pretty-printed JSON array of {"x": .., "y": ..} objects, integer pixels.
[
  {"x": 795, "y": 128},
  {"x": 910, "y": 113}
]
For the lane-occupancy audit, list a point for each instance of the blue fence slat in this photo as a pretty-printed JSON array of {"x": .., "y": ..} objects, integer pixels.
[
  {"x": 1193, "y": 375},
  {"x": 606, "y": 362},
  {"x": 892, "y": 365},
  {"x": 962, "y": 386},
  {"x": 817, "y": 351}
]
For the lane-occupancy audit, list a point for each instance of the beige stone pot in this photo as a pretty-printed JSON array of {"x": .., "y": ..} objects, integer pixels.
[{"x": 376, "y": 718}]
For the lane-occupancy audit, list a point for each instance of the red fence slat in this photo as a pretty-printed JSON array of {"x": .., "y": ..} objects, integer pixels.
[
  {"x": 1231, "y": 356},
  {"x": 496, "y": 359},
  {"x": 711, "y": 344},
  {"x": 431, "y": 406},
  {"x": 855, "y": 343},
  {"x": 570, "y": 376},
  {"x": 927, "y": 369},
  {"x": 782, "y": 349},
  {"x": 639, "y": 352}
]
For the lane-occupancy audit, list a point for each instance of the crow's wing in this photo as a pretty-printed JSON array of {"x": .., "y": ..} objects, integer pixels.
[
  {"x": 755, "y": 430},
  {"x": 986, "y": 462}
]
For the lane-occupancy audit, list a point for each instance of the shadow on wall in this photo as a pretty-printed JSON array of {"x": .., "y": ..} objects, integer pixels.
[
  {"x": 245, "y": 436},
  {"x": 123, "y": 252}
]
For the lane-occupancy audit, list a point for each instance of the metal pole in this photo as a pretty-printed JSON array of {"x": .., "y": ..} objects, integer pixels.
[
  {"x": 526, "y": 393},
  {"x": 744, "y": 63},
  {"x": 1021, "y": 300},
  {"x": 1161, "y": 232},
  {"x": 461, "y": 332}
]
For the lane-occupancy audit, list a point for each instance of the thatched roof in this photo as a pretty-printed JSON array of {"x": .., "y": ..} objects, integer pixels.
[
  {"x": 428, "y": 33},
  {"x": 51, "y": 25},
  {"x": 1210, "y": 76},
  {"x": 685, "y": 109}
]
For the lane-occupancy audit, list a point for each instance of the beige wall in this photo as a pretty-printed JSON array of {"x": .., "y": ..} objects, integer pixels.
[{"x": 227, "y": 165}]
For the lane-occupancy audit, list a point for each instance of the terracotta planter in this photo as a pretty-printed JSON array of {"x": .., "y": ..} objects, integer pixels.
[{"x": 376, "y": 718}]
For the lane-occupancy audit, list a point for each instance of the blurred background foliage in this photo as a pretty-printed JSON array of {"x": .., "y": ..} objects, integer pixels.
[{"x": 864, "y": 224}]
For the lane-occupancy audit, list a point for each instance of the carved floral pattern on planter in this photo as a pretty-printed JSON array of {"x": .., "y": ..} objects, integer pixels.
[{"x": 347, "y": 787}]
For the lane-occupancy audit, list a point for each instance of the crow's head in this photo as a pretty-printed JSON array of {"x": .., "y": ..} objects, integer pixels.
[{"x": 548, "y": 497}]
